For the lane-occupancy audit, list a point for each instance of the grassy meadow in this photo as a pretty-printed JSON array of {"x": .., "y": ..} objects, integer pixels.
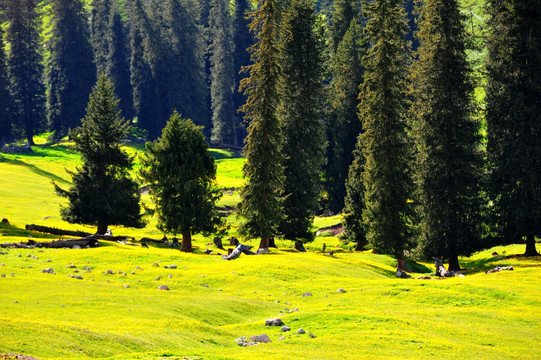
[{"x": 212, "y": 302}]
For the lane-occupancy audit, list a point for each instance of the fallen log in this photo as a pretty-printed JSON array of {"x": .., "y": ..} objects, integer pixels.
[
  {"x": 442, "y": 271},
  {"x": 237, "y": 251},
  {"x": 499, "y": 268},
  {"x": 55, "y": 231}
]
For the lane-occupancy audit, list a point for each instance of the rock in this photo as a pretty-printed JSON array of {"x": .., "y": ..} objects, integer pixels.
[
  {"x": 306, "y": 294},
  {"x": 403, "y": 275},
  {"x": 263, "y": 338},
  {"x": 12, "y": 275},
  {"x": 158, "y": 278},
  {"x": 241, "y": 339},
  {"x": 48, "y": 271},
  {"x": 285, "y": 328},
  {"x": 49, "y": 260},
  {"x": 274, "y": 322},
  {"x": 133, "y": 272},
  {"x": 156, "y": 265},
  {"x": 110, "y": 272},
  {"x": 499, "y": 268},
  {"x": 75, "y": 271},
  {"x": 138, "y": 268},
  {"x": 172, "y": 266},
  {"x": 301, "y": 331},
  {"x": 277, "y": 301},
  {"x": 163, "y": 287},
  {"x": 3, "y": 275},
  {"x": 424, "y": 278},
  {"x": 340, "y": 291},
  {"x": 495, "y": 253},
  {"x": 15, "y": 302},
  {"x": 126, "y": 286},
  {"x": 78, "y": 277},
  {"x": 207, "y": 252},
  {"x": 312, "y": 336},
  {"x": 294, "y": 310},
  {"x": 169, "y": 276},
  {"x": 76, "y": 247},
  {"x": 71, "y": 266},
  {"x": 2, "y": 264}
]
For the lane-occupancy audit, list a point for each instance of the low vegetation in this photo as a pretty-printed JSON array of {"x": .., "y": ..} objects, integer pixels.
[{"x": 212, "y": 302}]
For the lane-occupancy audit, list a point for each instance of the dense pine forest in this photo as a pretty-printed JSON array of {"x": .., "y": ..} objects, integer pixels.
[{"x": 418, "y": 121}]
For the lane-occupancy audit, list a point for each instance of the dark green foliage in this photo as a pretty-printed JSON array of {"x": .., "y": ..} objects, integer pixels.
[
  {"x": 344, "y": 12},
  {"x": 513, "y": 111},
  {"x": 242, "y": 40},
  {"x": 344, "y": 125},
  {"x": 70, "y": 68},
  {"x": 222, "y": 75},
  {"x": 449, "y": 166},
  {"x": 24, "y": 62},
  {"x": 354, "y": 207},
  {"x": 6, "y": 102},
  {"x": 302, "y": 119},
  {"x": 261, "y": 202},
  {"x": 180, "y": 174},
  {"x": 387, "y": 175},
  {"x": 99, "y": 32},
  {"x": 412, "y": 17},
  {"x": 103, "y": 193}
]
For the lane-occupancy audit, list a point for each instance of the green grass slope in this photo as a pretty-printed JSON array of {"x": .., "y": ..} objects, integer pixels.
[{"x": 211, "y": 302}]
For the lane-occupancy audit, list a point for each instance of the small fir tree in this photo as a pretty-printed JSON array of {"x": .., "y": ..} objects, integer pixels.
[
  {"x": 180, "y": 174},
  {"x": 302, "y": 120},
  {"x": 449, "y": 161},
  {"x": 261, "y": 198},
  {"x": 103, "y": 193},
  {"x": 513, "y": 118},
  {"x": 386, "y": 175}
]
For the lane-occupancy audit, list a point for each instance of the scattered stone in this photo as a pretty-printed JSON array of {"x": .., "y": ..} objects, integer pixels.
[
  {"x": 294, "y": 310},
  {"x": 340, "y": 291},
  {"x": 499, "y": 268},
  {"x": 2, "y": 264},
  {"x": 263, "y": 338},
  {"x": 169, "y": 276},
  {"x": 133, "y": 272},
  {"x": 87, "y": 268},
  {"x": 126, "y": 286},
  {"x": 156, "y": 265},
  {"x": 75, "y": 271},
  {"x": 19, "y": 255},
  {"x": 495, "y": 253},
  {"x": 424, "y": 278},
  {"x": 312, "y": 336},
  {"x": 163, "y": 287},
  {"x": 158, "y": 278},
  {"x": 120, "y": 272},
  {"x": 110, "y": 272},
  {"x": 49, "y": 260},
  {"x": 306, "y": 294},
  {"x": 124, "y": 274},
  {"x": 76, "y": 247},
  {"x": 28, "y": 255},
  {"x": 3, "y": 275},
  {"x": 48, "y": 271},
  {"x": 78, "y": 277},
  {"x": 274, "y": 322},
  {"x": 173, "y": 266},
  {"x": 403, "y": 275},
  {"x": 207, "y": 252},
  {"x": 285, "y": 328},
  {"x": 205, "y": 285},
  {"x": 12, "y": 275},
  {"x": 15, "y": 302},
  {"x": 241, "y": 339},
  {"x": 138, "y": 268},
  {"x": 277, "y": 301},
  {"x": 301, "y": 331}
]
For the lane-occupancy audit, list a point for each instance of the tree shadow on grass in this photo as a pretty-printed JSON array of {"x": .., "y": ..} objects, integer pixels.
[
  {"x": 35, "y": 170},
  {"x": 482, "y": 265}
]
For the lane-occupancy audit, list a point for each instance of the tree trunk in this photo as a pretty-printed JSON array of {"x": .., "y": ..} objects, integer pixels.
[
  {"x": 264, "y": 244},
  {"x": 401, "y": 265},
  {"x": 272, "y": 243},
  {"x": 453, "y": 263},
  {"x": 530, "y": 246},
  {"x": 299, "y": 246},
  {"x": 359, "y": 247},
  {"x": 186, "y": 242},
  {"x": 102, "y": 228}
]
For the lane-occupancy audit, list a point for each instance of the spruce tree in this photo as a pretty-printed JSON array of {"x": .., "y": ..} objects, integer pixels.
[
  {"x": 222, "y": 77},
  {"x": 99, "y": 31},
  {"x": 71, "y": 71},
  {"x": 513, "y": 118},
  {"x": 301, "y": 119},
  {"x": 344, "y": 127},
  {"x": 449, "y": 163},
  {"x": 103, "y": 193},
  {"x": 261, "y": 198},
  {"x": 344, "y": 12},
  {"x": 24, "y": 64},
  {"x": 180, "y": 174},
  {"x": 6, "y": 103},
  {"x": 386, "y": 175}
]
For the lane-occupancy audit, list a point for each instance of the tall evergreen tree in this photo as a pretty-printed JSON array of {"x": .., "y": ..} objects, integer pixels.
[
  {"x": 181, "y": 174},
  {"x": 344, "y": 126},
  {"x": 261, "y": 198},
  {"x": 24, "y": 61},
  {"x": 222, "y": 77},
  {"x": 71, "y": 72},
  {"x": 301, "y": 119},
  {"x": 117, "y": 59},
  {"x": 99, "y": 32},
  {"x": 513, "y": 118},
  {"x": 242, "y": 40},
  {"x": 344, "y": 12},
  {"x": 103, "y": 193},
  {"x": 449, "y": 161},
  {"x": 387, "y": 175},
  {"x": 6, "y": 103}
]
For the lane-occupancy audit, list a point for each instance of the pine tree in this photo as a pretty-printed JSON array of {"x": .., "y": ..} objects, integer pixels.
[
  {"x": 242, "y": 40},
  {"x": 222, "y": 75},
  {"x": 103, "y": 193},
  {"x": 6, "y": 103},
  {"x": 99, "y": 32},
  {"x": 344, "y": 12},
  {"x": 387, "y": 175},
  {"x": 344, "y": 126},
  {"x": 449, "y": 161},
  {"x": 71, "y": 72},
  {"x": 118, "y": 67},
  {"x": 513, "y": 121},
  {"x": 24, "y": 62},
  {"x": 181, "y": 174},
  {"x": 261, "y": 202},
  {"x": 302, "y": 120},
  {"x": 354, "y": 203}
]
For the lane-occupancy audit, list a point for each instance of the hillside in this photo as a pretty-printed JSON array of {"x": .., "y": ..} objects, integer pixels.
[{"x": 212, "y": 302}]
